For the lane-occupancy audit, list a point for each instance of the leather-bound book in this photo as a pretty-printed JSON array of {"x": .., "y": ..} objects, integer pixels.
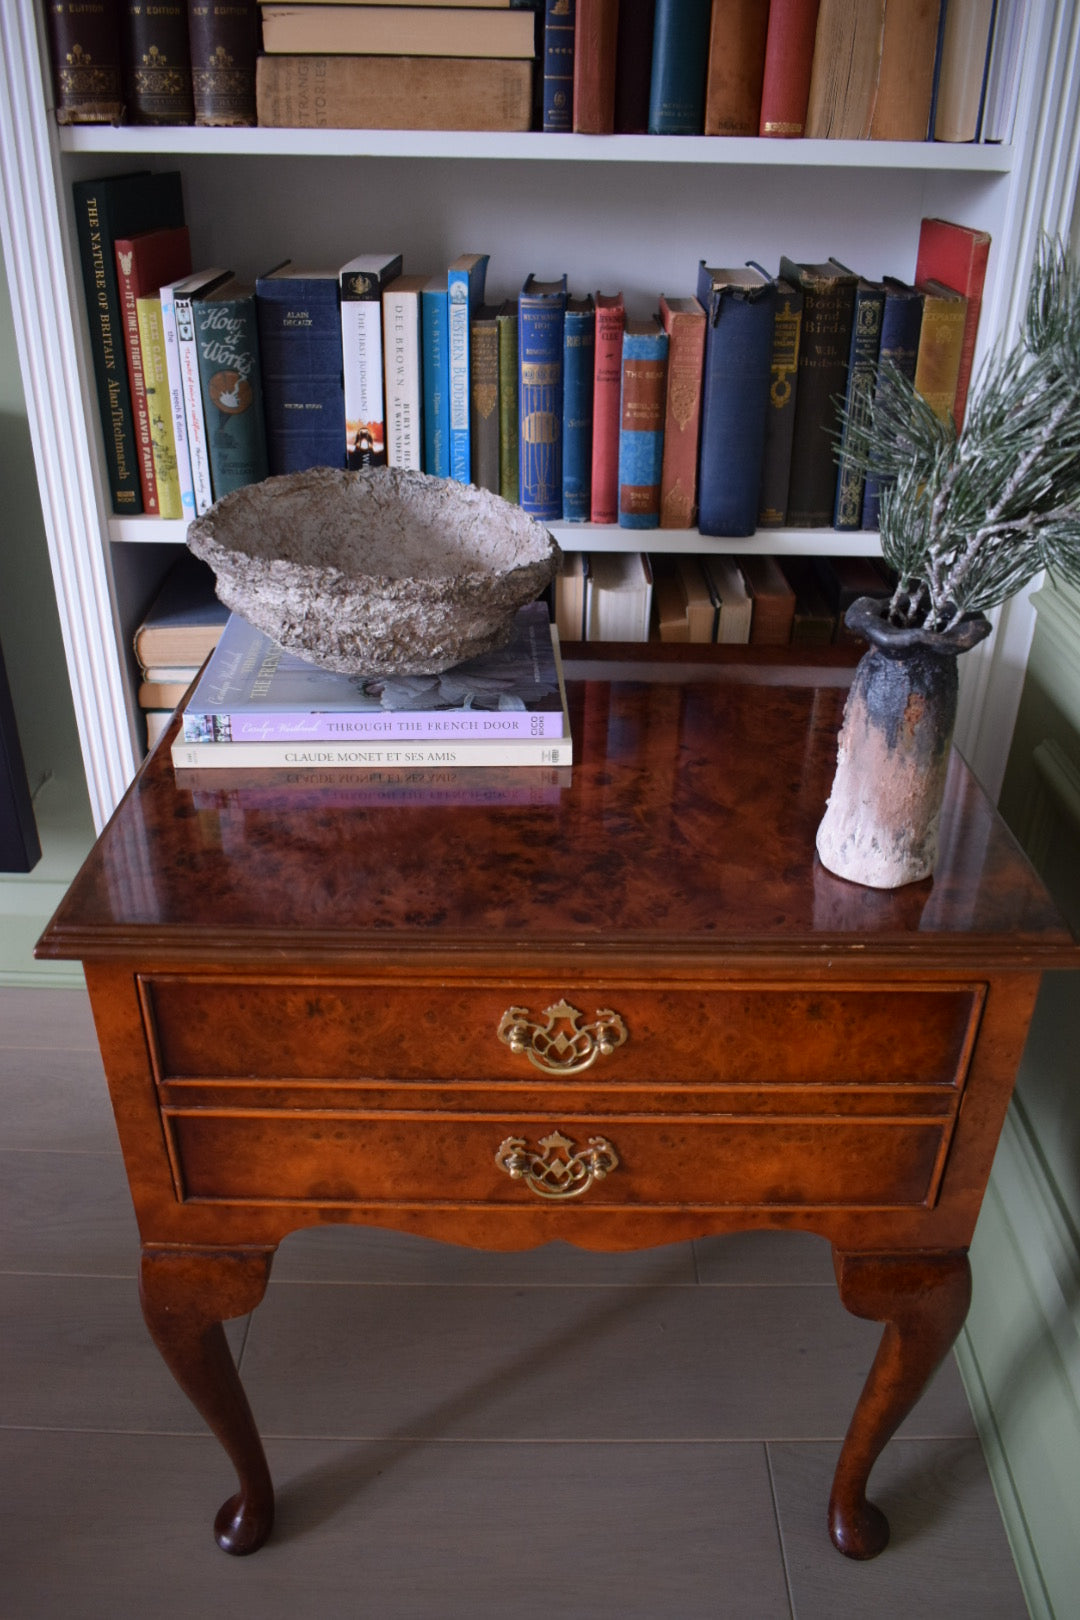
[
  {"x": 900, "y": 322},
  {"x": 736, "y": 67},
  {"x": 828, "y": 291},
  {"x": 84, "y": 48},
  {"x": 641, "y": 423},
  {"x": 223, "y": 36},
  {"x": 633, "y": 66},
  {"x": 773, "y": 599},
  {"x": 509, "y": 473},
  {"x": 541, "y": 310},
  {"x": 780, "y": 419},
  {"x": 789, "y": 61},
  {"x": 740, "y": 306},
  {"x": 957, "y": 255},
  {"x": 862, "y": 373},
  {"x": 579, "y": 344},
  {"x": 607, "y": 385},
  {"x": 484, "y": 397},
  {"x": 595, "y": 44},
  {"x": 157, "y": 62},
  {"x": 557, "y": 65},
  {"x": 683, "y": 319}
]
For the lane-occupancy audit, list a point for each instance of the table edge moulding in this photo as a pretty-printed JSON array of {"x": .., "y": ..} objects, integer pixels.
[
  {"x": 620, "y": 1004},
  {"x": 103, "y": 584}
]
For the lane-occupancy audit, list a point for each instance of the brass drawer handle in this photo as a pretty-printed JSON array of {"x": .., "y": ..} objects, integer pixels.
[
  {"x": 557, "y": 1171},
  {"x": 562, "y": 1045}
]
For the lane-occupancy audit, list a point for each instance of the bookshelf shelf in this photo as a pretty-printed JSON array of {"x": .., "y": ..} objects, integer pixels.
[
  {"x": 713, "y": 151},
  {"x": 636, "y": 212}
]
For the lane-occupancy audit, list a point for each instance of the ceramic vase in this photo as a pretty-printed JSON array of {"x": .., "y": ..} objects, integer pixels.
[{"x": 881, "y": 824}]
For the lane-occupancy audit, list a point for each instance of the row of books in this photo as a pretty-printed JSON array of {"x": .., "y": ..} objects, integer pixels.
[
  {"x": 754, "y": 600},
  {"x": 834, "y": 69},
  {"x": 720, "y": 409}
]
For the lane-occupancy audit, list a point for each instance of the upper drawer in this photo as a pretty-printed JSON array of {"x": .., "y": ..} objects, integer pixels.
[{"x": 220, "y": 1027}]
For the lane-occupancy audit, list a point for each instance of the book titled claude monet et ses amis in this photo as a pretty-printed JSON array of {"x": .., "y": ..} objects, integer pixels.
[{"x": 254, "y": 691}]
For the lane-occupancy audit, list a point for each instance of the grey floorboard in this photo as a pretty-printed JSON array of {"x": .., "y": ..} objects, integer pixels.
[{"x": 65, "y": 1213}]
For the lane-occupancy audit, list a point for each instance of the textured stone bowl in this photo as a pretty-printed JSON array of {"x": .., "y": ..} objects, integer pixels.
[{"x": 377, "y": 572}]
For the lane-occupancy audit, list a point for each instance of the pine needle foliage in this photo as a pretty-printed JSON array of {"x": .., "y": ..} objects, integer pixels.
[{"x": 968, "y": 519}]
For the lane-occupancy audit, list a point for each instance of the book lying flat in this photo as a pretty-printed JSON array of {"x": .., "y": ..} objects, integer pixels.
[
  {"x": 184, "y": 621},
  {"x": 253, "y": 691},
  {"x": 344, "y": 30}
]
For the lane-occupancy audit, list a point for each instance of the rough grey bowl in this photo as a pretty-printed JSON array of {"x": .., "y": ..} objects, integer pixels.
[{"x": 376, "y": 572}]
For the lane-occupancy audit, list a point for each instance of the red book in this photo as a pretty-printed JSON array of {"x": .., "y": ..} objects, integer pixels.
[
  {"x": 789, "y": 60},
  {"x": 956, "y": 255},
  {"x": 144, "y": 263},
  {"x": 736, "y": 67},
  {"x": 683, "y": 319},
  {"x": 607, "y": 383},
  {"x": 595, "y": 44}
]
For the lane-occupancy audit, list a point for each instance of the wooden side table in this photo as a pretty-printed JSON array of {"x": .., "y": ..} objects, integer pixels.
[{"x": 621, "y": 1005}]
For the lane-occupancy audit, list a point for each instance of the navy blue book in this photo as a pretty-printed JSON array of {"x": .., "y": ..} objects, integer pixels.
[
  {"x": 435, "y": 326},
  {"x": 901, "y": 322},
  {"x": 579, "y": 347},
  {"x": 740, "y": 306},
  {"x": 862, "y": 372},
  {"x": 541, "y": 310},
  {"x": 299, "y": 317},
  {"x": 680, "y": 60},
  {"x": 560, "y": 18}
]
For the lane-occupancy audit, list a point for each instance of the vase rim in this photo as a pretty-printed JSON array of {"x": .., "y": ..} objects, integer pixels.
[{"x": 866, "y": 616}]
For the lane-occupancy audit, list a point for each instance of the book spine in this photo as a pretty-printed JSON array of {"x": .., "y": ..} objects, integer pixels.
[
  {"x": 558, "y": 64},
  {"x": 361, "y": 347},
  {"x": 334, "y": 756},
  {"x": 484, "y": 400},
  {"x": 633, "y": 65},
  {"x": 438, "y": 726},
  {"x": 900, "y": 323},
  {"x": 394, "y": 92},
  {"x": 158, "y": 62},
  {"x": 223, "y": 36},
  {"x": 734, "y": 408},
  {"x": 736, "y": 67},
  {"x": 682, "y": 416},
  {"x": 789, "y": 61},
  {"x": 436, "y": 384},
  {"x": 194, "y": 412},
  {"x": 228, "y": 346},
  {"x": 158, "y": 406},
  {"x": 941, "y": 343},
  {"x": 823, "y": 358},
  {"x": 595, "y": 45},
  {"x": 174, "y": 374},
  {"x": 862, "y": 369},
  {"x": 540, "y": 350},
  {"x": 579, "y": 340},
  {"x": 607, "y": 390},
  {"x": 680, "y": 58},
  {"x": 300, "y": 365},
  {"x": 508, "y": 402},
  {"x": 965, "y": 47},
  {"x": 85, "y": 55},
  {"x": 458, "y": 321},
  {"x": 780, "y": 417},
  {"x": 404, "y": 390},
  {"x": 641, "y": 428},
  {"x": 956, "y": 256},
  {"x": 126, "y": 287}
]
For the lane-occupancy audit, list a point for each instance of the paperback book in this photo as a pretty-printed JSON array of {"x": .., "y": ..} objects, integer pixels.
[{"x": 254, "y": 691}]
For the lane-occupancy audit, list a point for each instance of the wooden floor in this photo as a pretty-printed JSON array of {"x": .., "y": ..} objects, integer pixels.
[{"x": 453, "y": 1434}]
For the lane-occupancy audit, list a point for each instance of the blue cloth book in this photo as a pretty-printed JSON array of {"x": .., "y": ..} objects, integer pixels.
[
  {"x": 740, "y": 305},
  {"x": 680, "y": 60},
  {"x": 579, "y": 345},
  {"x": 465, "y": 291},
  {"x": 436, "y": 348},
  {"x": 641, "y": 423},
  {"x": 901, "y": 322},
  {"x": 557, "y": 101},
  {"x": 541, "y": 311},
  {"x": 300, "y": 349}
]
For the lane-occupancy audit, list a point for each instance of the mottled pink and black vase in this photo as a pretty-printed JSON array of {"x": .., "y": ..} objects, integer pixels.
[{"x": 881, "y": 824}]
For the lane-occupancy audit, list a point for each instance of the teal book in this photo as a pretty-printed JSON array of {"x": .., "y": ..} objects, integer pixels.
[
  {"x": 641, "y": 423},
  {"x": 680, "y": 59},
  {"x": 435, "y": 339},
  {"x": 465, "y": 280},
  {"x": 541, "y": 311},
  {"x": 227, "y": 341},
  {"x": 861, "y": 377},
  {"x": 579, "y": 345}
]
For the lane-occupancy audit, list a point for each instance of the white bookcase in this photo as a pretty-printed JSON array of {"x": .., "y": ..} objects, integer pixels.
[{"x": 629, "y": 212}]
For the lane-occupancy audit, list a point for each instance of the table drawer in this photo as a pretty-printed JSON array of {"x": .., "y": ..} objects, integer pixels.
[
  {"x": 623, "y": 1033},
  {"x": 353, "y": 1158}
]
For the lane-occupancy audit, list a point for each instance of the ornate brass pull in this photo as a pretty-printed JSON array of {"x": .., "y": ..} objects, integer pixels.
[
  {"x": 557, "y": 1171},
  {"x": 562, "y": 1045}
]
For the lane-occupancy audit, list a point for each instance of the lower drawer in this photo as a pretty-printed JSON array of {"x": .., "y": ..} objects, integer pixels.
[{"x": 423, "y": 1159}]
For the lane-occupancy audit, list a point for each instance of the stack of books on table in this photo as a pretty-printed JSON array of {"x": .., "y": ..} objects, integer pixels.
[
  {"x": 423, "y": 64},
  {"x": 257, "y": 705}
]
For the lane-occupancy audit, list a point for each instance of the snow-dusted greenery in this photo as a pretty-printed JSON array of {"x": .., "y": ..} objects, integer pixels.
[{"x": 968, "y": 520}]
